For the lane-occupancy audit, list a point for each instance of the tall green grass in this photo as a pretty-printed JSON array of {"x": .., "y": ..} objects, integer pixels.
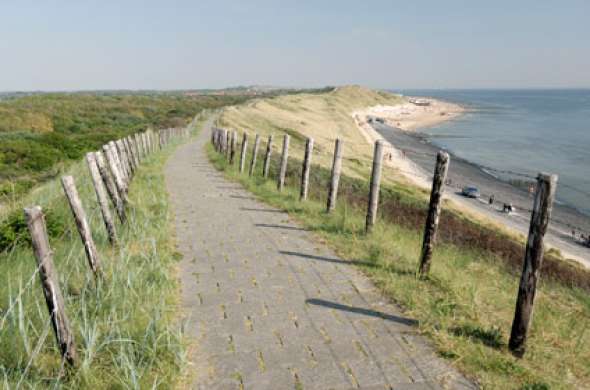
[
  {"x": 124, "y": 327},
  {"x": 466, "y": 305}
]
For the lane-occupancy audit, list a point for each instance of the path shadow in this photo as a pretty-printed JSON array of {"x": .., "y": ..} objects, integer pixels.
[
  {"x": 262, "y": 210},
  {"x": 327, "y": 259},
  {"x": 286, "y": 227},
  {"x": 242, "y": 197},
  {"x": 490, "y": 337},
  {"x": 363, "y": 311}
]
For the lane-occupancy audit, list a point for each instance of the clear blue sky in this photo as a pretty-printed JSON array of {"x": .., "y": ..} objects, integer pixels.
[{"x": 129, "y": 44}]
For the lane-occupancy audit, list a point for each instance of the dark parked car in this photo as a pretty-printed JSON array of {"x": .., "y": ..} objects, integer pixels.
[{"x": 470, "y": 192}]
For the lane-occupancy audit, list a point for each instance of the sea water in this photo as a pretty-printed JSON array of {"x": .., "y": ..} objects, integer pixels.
[{"x": 526, "y": 131}]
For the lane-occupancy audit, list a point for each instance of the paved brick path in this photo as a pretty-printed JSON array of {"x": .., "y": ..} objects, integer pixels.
[{"x": 270, "y": 308}]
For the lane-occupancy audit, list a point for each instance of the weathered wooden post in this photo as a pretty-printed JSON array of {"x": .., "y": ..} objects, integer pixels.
[
  {"x": 223, "y": 141},
  {"x": 81, "y": 223},
  {"x": 232, "y": 152},
  {"x": 374, "y": 186},
  {"x": 124, "y": 161},
  {"x": 118, "y": 164},
  {"x": 434, "y": 209},
  {"x": 132, "y": 153},
  {"x": 254, "y": 155},
  {"x": 144, "y": 143},
  {"x": 109, "y": 154},
  {"x": 138, "y": 145},
  {"x": 227, "y": 144},
  {"x": 133, "y": 142},
  {"x": 141, "y": 144},
  {"x": 305, "y": 170},
  {"x": 533, "y": 260},
  {"x": 101, "y": 196},
  {"x": 150, "y": 140},
  {"x": 50, "y": 283},
  {"x": 111, "y": 186},
  {"x": 244, "y": 150},
  {"x": 335, "y": 177},
  {"x": 219, "y": 143},
  {"x": 284, "y": 160},
  {"x": 267, "y": 157}
]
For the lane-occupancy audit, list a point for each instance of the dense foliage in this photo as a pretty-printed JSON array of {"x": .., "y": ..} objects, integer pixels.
[{"x": 39, "y": 133}]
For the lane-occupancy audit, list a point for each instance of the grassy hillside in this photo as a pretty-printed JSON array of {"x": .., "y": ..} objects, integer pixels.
[
  {"x": 41, "y": 134},
  {"x": 467, "y": 304},
  {"x": 323, "y": 117}
]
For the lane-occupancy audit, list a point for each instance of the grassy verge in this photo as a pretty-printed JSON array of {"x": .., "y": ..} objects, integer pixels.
[
  {"x": 467, "y": 304},
  {"x": 125, "y": 327}
]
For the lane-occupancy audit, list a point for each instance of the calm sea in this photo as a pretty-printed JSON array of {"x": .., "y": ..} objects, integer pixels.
[{"x": 523, "y": 130}]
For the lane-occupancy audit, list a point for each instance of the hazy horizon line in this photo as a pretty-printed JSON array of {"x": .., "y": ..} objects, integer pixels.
[{"x": 537, "y": 88}]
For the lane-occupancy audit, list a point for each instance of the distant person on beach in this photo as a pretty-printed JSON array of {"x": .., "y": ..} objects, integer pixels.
[
  {"x": 491, "y": 202},
  {"x": 531, "y": 189}
]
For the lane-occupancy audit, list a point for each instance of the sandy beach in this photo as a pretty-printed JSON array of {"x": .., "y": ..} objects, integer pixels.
[{"x": 413, "y": 155}]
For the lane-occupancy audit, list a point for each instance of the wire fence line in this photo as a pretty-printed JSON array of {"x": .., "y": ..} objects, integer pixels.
[
  {"x": 544, "y": 194},
  {"x": 123, "y": 160},
  {"x": 18, "y": 298}
]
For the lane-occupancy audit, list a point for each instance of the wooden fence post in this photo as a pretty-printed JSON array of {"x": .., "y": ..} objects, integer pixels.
[
  {"x": 133, "y": 142},
  {"x": 284, "y": 161},
  {"x": 101, "y": 196},
  {"x": 374, "y": 186},
  {"x": 305, "y": 170},
  {"x": 219, "y": 143},
  {"x": 116, "y": 173},
  {"x": 141, "y": 141},
  {"x": 130, "y": 154},
  {"x": 134, "y": 159},
  {"x": 533, "y": 260},
  {"x": 138, "y": 146},
  {"x": 118, "y": 164},
  {"x": 232, "y": 152},
  {"x": 434, "y": 209},
  {"x": 124, "y": 161},
  {"x": 254, "y": 155},
  {"x": 144, "y": 143},
  {"x": 223, "y": 141},
  {"x": 148, "y": 138},
  {"x": 267, "y": 157},
  {"x": 214, "y": 136},
  {"x": 244, "y": 150},
  {"x": 227, "y": 144},
  {"x": 335, "y": 177},
  {"x": 81, "y": 223},
  {"x": 50, "y": 284},
  {"x": 111, "y": 186}
]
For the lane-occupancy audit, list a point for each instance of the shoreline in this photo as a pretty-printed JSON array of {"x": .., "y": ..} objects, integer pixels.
[
  {"x": 414, "y": 156},
  {"x": 410, "y": 116}
]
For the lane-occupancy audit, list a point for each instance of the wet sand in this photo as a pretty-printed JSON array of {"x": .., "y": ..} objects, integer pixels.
[{"x": 422, "y": 152}]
